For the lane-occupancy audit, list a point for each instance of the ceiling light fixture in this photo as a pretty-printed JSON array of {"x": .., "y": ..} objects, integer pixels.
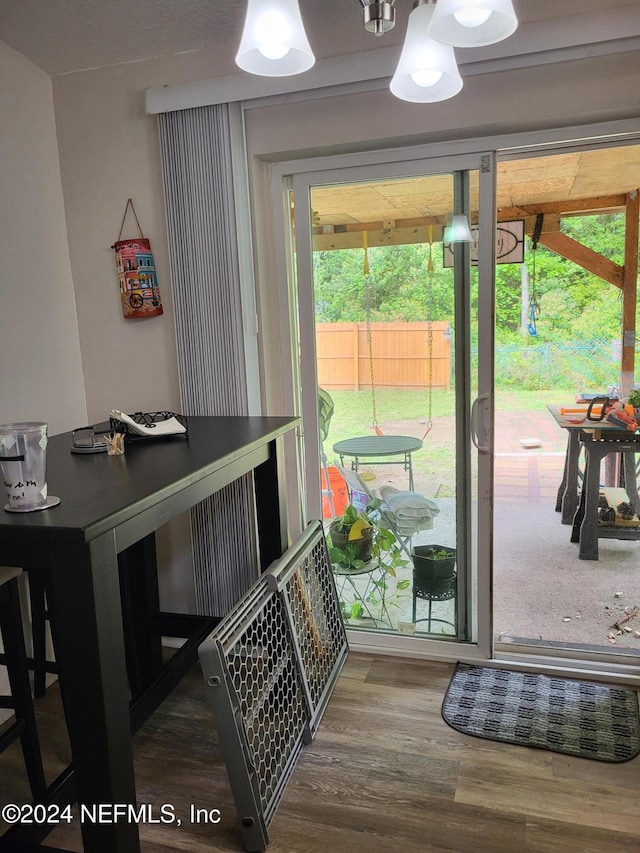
[
  {"x": 473, "y": 23},
  {"x": 274, "y": 43},
  {"x": 379, "y": 18},
  {"x": 427, "y": 70}
]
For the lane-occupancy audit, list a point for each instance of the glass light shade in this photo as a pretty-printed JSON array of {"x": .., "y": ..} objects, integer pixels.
[
  {"x": 472, "y": 23},
  {"x": 427, "y": 71},
  {"x": 457, "y": 230},
  {"x": 274, "y": 43}
]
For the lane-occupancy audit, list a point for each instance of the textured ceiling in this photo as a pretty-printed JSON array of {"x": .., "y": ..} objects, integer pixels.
[{"x": 62, "y": 36}]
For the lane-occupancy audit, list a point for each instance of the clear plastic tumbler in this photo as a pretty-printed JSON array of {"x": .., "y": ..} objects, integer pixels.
[{"x": 23, "y": 460}]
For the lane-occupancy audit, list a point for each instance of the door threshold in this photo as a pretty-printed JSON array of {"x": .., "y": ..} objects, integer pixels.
[
  {"x": 578, "y": 660},
  {"x": 528, "y": 642}
]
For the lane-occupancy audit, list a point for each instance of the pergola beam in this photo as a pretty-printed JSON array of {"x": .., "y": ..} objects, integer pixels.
[
  {"x": 581, "y": 206},
  {"x": 583, "y": 256}
]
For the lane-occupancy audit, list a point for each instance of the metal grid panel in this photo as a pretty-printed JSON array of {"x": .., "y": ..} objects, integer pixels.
[
  {"x": 270, "y": 666},
  {"x": 305, "y": 577},
  {"x": 259, "y": 705}
]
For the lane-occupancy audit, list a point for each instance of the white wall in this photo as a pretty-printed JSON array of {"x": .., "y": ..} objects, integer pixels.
[
  {"x": 109, "y": 153},
  {"x": 40, "y": 365}
]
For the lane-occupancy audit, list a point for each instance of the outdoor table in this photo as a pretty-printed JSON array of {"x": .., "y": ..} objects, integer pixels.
[
  {"x": 575, "y": 424},
  {"x": 567, "y": 498},
  {"x": 110, "y": 504},
  {"x": 378, "y": 447},
  {"x": 598, "y": 439},
  {"x": 597, "y": 444}
]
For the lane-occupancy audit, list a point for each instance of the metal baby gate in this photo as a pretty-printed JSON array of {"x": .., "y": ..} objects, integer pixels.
[{"x": 270, "y": 667}]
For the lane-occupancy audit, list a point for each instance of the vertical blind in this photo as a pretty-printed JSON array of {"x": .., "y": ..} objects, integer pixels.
[{"x": 197, "y": 166}]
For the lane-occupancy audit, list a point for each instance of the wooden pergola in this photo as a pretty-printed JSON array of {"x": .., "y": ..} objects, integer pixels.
[{"x": 408, "y": 211}]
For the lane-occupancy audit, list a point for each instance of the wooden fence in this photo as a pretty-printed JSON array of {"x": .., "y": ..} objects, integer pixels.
[{"x": 400, "y": 355}]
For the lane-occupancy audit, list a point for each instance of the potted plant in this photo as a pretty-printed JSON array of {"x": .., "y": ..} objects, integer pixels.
[
  {"x": 351, "y": 537},
  {"x": 360, "y": 544},
  {"x": 433, "y": 565}
]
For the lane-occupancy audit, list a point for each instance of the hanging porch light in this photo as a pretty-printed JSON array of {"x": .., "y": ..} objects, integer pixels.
[{"x": 457, "y": 230}]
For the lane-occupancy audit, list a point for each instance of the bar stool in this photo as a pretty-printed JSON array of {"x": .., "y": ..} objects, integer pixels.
[{"x": 20, "y": 701}]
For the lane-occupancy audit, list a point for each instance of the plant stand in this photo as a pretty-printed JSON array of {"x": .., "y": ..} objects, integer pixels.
[
  {"x": 374, "y": 584},
  {"x": 434, "y": 579}
]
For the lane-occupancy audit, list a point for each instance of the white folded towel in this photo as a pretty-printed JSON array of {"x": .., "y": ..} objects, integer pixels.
[
  {"x": 408, "y": 505},
  {"x": 171, "y": 426},
  {"x": 411, "y": 511}
]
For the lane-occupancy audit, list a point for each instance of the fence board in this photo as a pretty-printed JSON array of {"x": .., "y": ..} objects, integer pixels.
[{"x": 400, "y": 355}]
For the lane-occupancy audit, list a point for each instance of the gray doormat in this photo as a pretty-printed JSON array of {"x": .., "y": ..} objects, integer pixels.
[{"x": 574, "y": 717}]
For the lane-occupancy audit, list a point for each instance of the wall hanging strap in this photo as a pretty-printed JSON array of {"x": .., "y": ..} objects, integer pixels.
[{"x": 128, "y": 205}]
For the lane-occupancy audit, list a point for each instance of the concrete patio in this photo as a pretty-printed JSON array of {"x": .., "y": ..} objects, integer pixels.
[{"x": 543, "y": 592}]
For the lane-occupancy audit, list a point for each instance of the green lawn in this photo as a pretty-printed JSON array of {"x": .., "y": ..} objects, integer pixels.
[
  {"x": 353, "y": 414},
  {"x": 406, "y": 412}
]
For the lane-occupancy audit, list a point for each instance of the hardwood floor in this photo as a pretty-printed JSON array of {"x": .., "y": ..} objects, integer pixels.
[{"x": 385, "y": 774}]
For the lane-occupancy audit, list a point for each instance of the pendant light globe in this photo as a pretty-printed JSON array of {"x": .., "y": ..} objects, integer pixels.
[
  {"x": 427, "y": 71},
  {"x": 473, "y": 23},
  {"x": 274, "y": 43}
]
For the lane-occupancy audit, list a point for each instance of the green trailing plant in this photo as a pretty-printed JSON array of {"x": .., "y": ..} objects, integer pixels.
[
  {"x": 634, "y": 399},
  {"x": 438, "y": 554},
  {"x": 380, "y": 551}
]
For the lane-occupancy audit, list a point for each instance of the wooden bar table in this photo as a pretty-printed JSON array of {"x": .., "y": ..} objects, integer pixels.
[{"x": 108, "y": 505}]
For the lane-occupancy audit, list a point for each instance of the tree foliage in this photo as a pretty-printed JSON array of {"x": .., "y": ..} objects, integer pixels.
[{"x": 574, "y": 304}]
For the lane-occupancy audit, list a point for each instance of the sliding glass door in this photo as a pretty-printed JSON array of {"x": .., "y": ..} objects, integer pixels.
[{"x": 394, "y": 335}]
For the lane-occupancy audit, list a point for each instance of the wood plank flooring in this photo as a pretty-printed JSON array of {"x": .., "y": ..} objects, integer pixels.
[{"x": 385, "y": 774}]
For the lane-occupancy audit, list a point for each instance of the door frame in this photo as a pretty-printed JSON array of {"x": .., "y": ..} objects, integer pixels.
[
  {"x": 507, "y": 145},
  {"x": 477, "y": 550}
]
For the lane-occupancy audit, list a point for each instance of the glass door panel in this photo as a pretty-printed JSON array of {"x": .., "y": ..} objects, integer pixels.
[{"x": 393, "y": 388}]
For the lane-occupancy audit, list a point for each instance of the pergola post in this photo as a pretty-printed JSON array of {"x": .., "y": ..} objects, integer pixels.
[{"x": 629, "y": 292}]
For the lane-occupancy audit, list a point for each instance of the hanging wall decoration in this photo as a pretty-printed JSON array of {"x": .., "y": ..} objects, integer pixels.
[{"x": 139, "y": 289}]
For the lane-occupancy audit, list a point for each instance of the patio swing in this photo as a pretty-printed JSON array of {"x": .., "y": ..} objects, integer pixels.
[{"x": 367, "y": 306}]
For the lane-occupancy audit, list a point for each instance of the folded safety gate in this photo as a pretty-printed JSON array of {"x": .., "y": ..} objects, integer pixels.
[{"x": 270, "y": 667}]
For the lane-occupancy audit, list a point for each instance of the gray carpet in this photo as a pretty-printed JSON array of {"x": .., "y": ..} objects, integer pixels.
[{"x": 559, "y": 714}]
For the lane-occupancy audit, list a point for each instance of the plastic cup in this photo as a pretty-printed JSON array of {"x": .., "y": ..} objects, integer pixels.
[{"x": 23, "y": 460}]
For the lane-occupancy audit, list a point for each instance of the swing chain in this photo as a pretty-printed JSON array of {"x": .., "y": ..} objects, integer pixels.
[
  {"x": 430, "y": 274},
  {"x": 367, "y": 305},
  {"x": 373, "y": 385},
  {"x": 429, "y": 404}
]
